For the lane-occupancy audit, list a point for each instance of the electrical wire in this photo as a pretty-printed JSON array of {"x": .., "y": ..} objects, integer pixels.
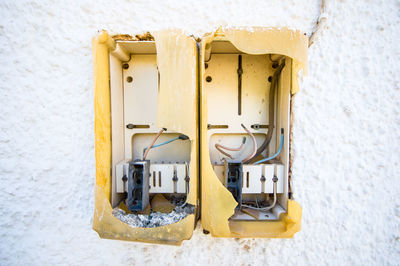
[
  {"x": 268, "y": 207},
  {"x": 223, "y": 152},
  {"x": 219, "y": 147},
  {"x": 182, "y": 137},
  {"x": 271, "y": 111},
  {"x": 161, "y": 144},
  {"x": 152, "y": 143},
  {"x": 276, "y": 154},
  {"x": 254, "y": 144},
  {"x": 232, "y": 149}
]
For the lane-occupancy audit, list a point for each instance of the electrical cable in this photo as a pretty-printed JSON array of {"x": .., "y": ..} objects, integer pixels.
[
  {"x": 276, "y": 154},
  {"x": 224, "y": 153},
  {"x": 152, "y": 143},
  {"x": 219, "y": 147},
  {"x": 275, "y": 180},
  {"x": 161, "y": 144},
  {"x": 254, "y": 144},
  {"x": 182, "y": 137},
  {"x": 271, "y": 111},
  {"x": 232, "y": 149}
]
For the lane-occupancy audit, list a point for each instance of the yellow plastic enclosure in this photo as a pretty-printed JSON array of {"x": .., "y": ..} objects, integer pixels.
[
  {"x": 237, "y": 69},
  {"x": 143, "y": 84}
]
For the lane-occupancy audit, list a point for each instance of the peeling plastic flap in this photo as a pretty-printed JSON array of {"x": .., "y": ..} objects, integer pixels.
[
  {"x": 177, "y": 66},
  {"x": 177, "y": 98},
  {"x": 258, "y": 40}
]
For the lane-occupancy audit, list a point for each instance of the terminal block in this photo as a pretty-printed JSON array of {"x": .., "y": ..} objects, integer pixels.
[{"x": 138, "y": 185}]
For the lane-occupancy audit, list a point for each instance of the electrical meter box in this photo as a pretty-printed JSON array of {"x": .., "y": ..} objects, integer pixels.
[
  {"x": 247, "y": 80},
  {"x": 172, "y": 114},
  {"x": 146, "y": 137}
]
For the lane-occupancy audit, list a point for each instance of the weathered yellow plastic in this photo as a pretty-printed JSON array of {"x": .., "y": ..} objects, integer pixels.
[
  {"x": 217, "y": 203},
  {"x": 178, "y": 98}
]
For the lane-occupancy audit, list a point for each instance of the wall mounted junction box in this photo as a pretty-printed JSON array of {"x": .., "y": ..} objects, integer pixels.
[
  {"x": 168, "y": 108},
  {"x": 146, "y": 127},
  {"x": 247, "y": 81}
]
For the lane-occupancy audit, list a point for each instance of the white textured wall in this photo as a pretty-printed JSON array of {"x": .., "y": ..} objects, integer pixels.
[{"x": 346, "y": 134}]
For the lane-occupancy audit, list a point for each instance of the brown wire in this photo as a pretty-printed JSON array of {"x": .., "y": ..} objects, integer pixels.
[
  {"x": 219, "y": 147},
  {"x": 224, "y": 153},
  {"x": 271, "y": 112},
  {"x": 254, "y": 144},
  {"x": 152, "y": 143}
]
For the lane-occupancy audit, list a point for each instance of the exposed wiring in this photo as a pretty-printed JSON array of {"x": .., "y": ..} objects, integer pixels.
[
  {"x": 152, "y": 143},
  {"x": 276, "y": 154},
  {"x": 161, "y": 144},
  {"x": 182, "y": 137},
  {"x": 219, "y": 147},
  {"x": 275, "y": 180},
  {"x": 233, "y": 149},
  {"x": 271, "y": 111},
  {"x": 224, "y": 153},
  {"x": 254, "y": 144}
]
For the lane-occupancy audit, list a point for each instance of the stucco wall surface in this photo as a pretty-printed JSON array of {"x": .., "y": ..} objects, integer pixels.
[{"x": 346, "y": 132}]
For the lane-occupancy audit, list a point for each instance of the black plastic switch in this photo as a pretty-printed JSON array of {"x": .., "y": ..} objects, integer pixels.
[
  {"x": 138, "y": 185},
  {"x": 234, "y": 175}
]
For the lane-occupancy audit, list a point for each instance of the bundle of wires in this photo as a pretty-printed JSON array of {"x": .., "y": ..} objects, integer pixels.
[
  {"x": 276, "y": 154},
  {"x": 219, "y": 147},
  {"x": 152, "y": 145},
  {"x": 271, "y": 113}
]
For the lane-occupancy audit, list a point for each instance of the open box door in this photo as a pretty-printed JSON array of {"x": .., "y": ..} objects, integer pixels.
[
  {"x": 247, "y": 79},
  {"x": 145, "y": 85}
]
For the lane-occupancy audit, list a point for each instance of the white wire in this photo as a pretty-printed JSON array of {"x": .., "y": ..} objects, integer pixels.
[{"x": 264, "y": 208}]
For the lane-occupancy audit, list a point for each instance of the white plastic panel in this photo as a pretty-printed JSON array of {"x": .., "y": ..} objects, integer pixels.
[
  {"x": 161, "y": 176},
  {"x": 160, "y": 180},
  {"x": 134, "y": 82},
  {"x": 119, "y": 174},
  {"x": 117, "y": 123},
  {"x": 180, "y": 174},
  {"x": 280, "y": 174},
  {"x": 252, "y": 178},
  {"x": 269, "y": 170},
  {"x": 121, "y": 170},
  {"x": 222, "y": 100},
  {"x": 220, "y": 84}
]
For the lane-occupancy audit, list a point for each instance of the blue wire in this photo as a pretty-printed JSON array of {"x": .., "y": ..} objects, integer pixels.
[
  {"x": 163, "y": 143},
  {"x": 273, "y": 156}
]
